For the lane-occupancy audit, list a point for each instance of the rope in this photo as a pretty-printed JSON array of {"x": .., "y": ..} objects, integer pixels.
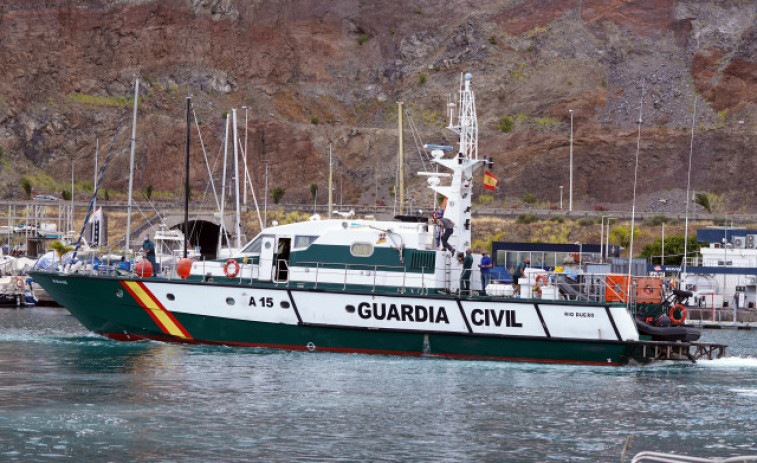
[{"x": 102, "y": 174}]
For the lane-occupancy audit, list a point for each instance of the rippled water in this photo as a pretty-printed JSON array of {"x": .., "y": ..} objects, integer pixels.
[{"x": 69, "y": 395}]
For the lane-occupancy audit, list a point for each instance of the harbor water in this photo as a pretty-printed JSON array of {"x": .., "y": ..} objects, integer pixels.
[{"x": 69, "y": 395}]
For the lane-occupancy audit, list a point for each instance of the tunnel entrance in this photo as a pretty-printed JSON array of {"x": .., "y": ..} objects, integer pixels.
[{"x": 205, "y": 235}]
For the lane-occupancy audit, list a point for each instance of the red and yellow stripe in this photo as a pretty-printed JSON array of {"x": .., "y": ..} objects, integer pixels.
[{"x": 162, "y": 317}]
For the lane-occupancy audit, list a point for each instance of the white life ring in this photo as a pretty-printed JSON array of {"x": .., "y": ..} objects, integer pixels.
[{"x": 20, "y": 283}]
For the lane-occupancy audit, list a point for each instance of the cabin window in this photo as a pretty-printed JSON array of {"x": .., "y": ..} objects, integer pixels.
[
  {"x": 254, "y": 247},
  {"x": 361, "y": 249},
  {"x": 303, "y": 241},
  {"x": 170, "y": 297}
]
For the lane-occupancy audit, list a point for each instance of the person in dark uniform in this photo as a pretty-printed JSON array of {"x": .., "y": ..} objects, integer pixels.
[
  {"x": 467, "y": 262},
  {"x": 148, "y": 250},
  {"x": 448, "y": 227},
  {"x": 518, "y": 274}
]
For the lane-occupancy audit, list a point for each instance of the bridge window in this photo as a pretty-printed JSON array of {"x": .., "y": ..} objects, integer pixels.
[
  {"x": 254, "y": 247},
  {"x": 303, "y": 241},
  {"x": 361, "y": 249}
]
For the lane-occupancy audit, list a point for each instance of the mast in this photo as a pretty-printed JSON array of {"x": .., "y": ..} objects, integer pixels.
[
  {"x": 94, "y": 200},
  {"x": 401, "y": 161},
  {"x": 237, "y": 231},
  {"x": 131, "y": 164},
  {"x": 462, "y": 165},
  {"x": 331, "y": 177},
  {"x": 186, "y": 179},
  {"x": 222, "y": 231}
]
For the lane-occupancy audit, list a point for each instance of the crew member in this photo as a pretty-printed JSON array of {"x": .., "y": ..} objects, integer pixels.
[
  {"x": 448, "y": 228},
  {"x": 485, "y": 266},
  {"x": 467, "y": 262},
  {"x": 518, "y": 274},
  {"x": 148, "y": 249}
]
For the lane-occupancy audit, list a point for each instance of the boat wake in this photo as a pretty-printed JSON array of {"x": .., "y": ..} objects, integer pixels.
[{"x": 729, "y": 362}]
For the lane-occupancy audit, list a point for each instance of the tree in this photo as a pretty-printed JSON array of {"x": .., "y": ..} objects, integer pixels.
[
  {"x": 673, "y": 249},
  {"x": 313, "y": 190},
  {"x": 66, "y": 195},
  {"x": 622, "y": 236},
  {"x": 26, "y": 185},
  {"x": 277, "y": 193},
  {"x": 60, "y": 248},
  {"x": 703, "y": 200}
]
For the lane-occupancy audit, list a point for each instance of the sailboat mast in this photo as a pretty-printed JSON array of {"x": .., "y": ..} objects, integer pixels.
[
  {"x": 131, "y": 164},
  {"x": 237, "y": 231},
  {"x": 186, "y": 179},
  {"x": 223, "y": 186},
  {"x": 402, "y": 162}
]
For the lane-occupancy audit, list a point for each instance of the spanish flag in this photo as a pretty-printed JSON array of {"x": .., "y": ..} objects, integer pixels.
[{"x": 490, "y": 181}]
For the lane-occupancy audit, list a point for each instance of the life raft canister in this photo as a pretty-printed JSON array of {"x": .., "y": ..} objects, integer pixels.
[
  {"x": 677, "y": 314},
  {"x": 231, "y": 268}
]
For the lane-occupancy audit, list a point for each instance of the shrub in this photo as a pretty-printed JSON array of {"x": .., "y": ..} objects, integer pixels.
[
  {"x": 485, "y": 199},
  {"x": 493, "y": 39},
  {"x": 26, "y": 185},
  {"x": 526, "y": 218},
  {"x": 655, "y": 221},
  {"x": 362, "y": 38},
  {"x": 314, "y": 120},
  {"x": 421, "y": 79},
  {"x": 585, "y": 221},
  {"x": 600, "y": 207},
  {"x": 529, "y": 198},
  {"x": 147, "y": 192},
  {"x": 277, "y": 193},
  {"x": 557, "y": 219},
  {"x": 505, "y": 124}
]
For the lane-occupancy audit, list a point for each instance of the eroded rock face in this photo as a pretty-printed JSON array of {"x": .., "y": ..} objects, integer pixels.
[{"x": 318, "y": 71}]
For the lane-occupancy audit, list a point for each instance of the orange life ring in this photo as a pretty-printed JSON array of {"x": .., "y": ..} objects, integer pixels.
[
  {"x": 231, "y": 268},
  {"x": 672, "y": 314},
  {"x": 542, "y": 279},
  {"x": 19, "y": 283}
]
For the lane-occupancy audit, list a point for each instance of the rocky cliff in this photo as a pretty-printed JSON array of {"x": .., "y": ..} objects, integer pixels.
[{"x": 309, "y": 73}]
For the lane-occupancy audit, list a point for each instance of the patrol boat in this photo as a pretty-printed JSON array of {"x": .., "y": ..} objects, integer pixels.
[{"x": 363, "y": 286}]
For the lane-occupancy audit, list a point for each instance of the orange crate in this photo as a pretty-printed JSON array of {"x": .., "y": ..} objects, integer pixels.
[
  {"x": 616, "y": 288},
  {"x": 648, "y": 290}
]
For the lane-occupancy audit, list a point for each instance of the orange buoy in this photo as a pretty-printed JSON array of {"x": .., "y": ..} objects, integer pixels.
[
  {"x": 183, "y": 267},
  {"x": 677, "y": 314},
  {"x": 144, "y": 268}
]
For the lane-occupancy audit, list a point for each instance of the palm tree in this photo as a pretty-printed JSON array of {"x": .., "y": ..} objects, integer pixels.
[
  {"x": 60, "y": 248},
  {"x": 703, "y": 200}
]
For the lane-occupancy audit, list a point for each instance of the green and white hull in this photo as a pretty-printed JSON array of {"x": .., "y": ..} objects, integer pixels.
[{"x": 173, "y": 310}]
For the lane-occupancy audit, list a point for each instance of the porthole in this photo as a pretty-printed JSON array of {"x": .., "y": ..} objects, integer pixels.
[
  {"x": 230, "y": 301},
  {"x": 284, "y": 304},
  {"x": 170, "y": 297},
  {"x": 268, "y": 245},
  {"x": 119, "y": 293},
  {"x": 350, "y": 309}
]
